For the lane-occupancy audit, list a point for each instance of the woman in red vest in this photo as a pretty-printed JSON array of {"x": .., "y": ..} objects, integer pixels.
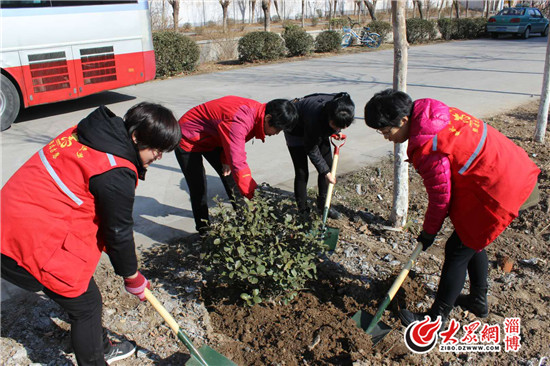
[
  {"x": 472, "y": 173},
  {"x": 71, "y": 201}
]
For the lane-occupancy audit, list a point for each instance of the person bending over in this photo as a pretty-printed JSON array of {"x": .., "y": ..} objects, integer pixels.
[{"x": 472, "y": 173}]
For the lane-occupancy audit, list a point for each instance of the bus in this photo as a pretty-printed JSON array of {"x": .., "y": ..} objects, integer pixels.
[{"x": 52, "y": 51}]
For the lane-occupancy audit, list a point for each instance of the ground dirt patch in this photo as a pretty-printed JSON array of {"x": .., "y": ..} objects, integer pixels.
[{"x": 316, "y": 327}]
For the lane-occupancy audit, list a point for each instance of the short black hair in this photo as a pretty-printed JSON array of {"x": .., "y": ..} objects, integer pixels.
[
  {"x": 284, "y": 114},
  {"x": 341, "y": 110},
  {"x": 154, "y": 125},
  {"x": 387, "y": 108}
]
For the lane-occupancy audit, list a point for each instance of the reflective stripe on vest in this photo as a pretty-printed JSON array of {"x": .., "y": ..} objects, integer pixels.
[
  {"x": 474, "y": 154},
  {"x": 111, "y": 159},
  {"x": 476, "y": 151},
  {"x": 58, "y": 180}
]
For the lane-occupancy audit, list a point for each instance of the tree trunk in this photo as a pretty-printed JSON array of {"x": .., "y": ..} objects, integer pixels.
[
  {"x": 266, "y": 7},
  {"x": 175, "y": 12},
  {"x": 225, "y": 5},
  {"x": 358, "y": 4},
  {"x": 371, "y": 8},
  {"x": 252, "y": 11},
  {"x": 440, "y": 9},
  {"x": 419, "y": 6},
  {"x": 428, "y": 8},
  {"x": 542, "y": 118},
  {"x": 330, "y": 14},
  {"x": 467, "y": 5},
  {"x": 303, "y": 13},
  {"x": 276, "y": 3},
  {"x": 456, "y": 5},
  {"x": 398, "y": 215}
]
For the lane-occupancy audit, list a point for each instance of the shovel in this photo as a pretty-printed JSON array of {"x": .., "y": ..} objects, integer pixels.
[
  {"x": 372, "y": 324},
  {"x": 205, "y": 356},
  {"x": 330, "y": 234}
]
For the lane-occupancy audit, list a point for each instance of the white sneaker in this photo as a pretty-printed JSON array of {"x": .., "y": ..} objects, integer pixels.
[{"x": 120, "y": 351}]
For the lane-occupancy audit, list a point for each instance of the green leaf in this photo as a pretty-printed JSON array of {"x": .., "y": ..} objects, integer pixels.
[{"x": 241, "y": 251}]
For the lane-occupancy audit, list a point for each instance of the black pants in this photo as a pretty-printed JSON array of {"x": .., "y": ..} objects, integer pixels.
[
  {"x": 459, "y": 259},
  {"x": 193, "y": 169},
  {"x": 301, "y": 174},
  {"x": 88, "y": 337}
]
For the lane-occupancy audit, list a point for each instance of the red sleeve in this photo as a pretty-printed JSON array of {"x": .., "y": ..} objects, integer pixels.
[
  {"x": 435, "y": 170},
  {"x": 233, "y": 137}
]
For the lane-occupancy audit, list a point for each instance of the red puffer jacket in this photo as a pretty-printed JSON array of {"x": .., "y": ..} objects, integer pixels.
[
  {"x": 228, "y": 122},
  {"x": 471, "y": 171}
]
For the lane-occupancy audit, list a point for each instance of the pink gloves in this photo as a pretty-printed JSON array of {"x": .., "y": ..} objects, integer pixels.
[{"x": 136, "y": 286}]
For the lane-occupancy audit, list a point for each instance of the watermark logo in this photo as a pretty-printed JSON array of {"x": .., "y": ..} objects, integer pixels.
[{"x": 421, "y": 336}]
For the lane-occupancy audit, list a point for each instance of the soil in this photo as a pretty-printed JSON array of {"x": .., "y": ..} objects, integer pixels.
[{"x": 316, "y": 327}]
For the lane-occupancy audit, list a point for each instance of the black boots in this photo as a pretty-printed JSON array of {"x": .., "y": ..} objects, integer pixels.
[
  {"x": 438, "y": 308},
  {"x": 475, "y": 302}
]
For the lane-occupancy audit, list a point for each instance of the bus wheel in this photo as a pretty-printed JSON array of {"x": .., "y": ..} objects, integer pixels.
[{"x": 9, "y": 102}]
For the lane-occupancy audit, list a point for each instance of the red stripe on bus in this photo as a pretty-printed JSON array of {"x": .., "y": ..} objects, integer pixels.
[{"x": 44, "y": 87}]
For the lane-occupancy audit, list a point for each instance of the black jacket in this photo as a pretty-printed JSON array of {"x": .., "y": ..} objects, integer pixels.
[
  {"x": 114, "y": 191},
  {"x": 314, "y": 127}
]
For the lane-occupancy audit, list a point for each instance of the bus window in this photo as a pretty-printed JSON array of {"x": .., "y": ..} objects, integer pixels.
[
  {"x": 24, "y": 3},
  {"x": 90, "y": 2}
]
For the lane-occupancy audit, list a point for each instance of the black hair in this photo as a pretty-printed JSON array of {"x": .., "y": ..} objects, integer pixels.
[
  {"x": 341, "y": 110},
  {"x": 387, "y": 108},
  {"x": 284, "y": 114},
  {"x": 154, "y": 126}
]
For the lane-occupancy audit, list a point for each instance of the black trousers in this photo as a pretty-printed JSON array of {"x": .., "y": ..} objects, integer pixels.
[
  {"x": 460, "y": 259},
  {"x": 301, "y": 174},
  {"x": 193, "y": 170},
  {"x": 88, "y": 337}
]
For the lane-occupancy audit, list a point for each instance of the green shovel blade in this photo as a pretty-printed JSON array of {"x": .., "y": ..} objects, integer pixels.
[
  {"x": 211, "y": 357},
  {"x": 380, "y": 330},
  {"x": 330, "y": 237}
]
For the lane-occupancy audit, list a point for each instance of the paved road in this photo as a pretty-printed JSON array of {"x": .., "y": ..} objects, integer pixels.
[{"x": 482, "y": 77}]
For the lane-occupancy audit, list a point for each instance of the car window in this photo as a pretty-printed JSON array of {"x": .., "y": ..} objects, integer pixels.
[
  {"x": 537, "y": 13},
  {"x": 512, "y": 11}
]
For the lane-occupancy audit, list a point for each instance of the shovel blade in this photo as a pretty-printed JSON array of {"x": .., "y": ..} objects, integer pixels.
[
  {"x": 211, "y": 357},
  {"x": 330, "y": 237},
  {"x": 380, "y": 330}
]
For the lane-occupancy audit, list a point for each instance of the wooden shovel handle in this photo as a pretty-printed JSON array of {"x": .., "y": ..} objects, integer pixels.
[{"x": 162, "y": 311}]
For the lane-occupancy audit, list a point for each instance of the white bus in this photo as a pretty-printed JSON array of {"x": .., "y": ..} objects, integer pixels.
[{"x": 58, "y": 50}]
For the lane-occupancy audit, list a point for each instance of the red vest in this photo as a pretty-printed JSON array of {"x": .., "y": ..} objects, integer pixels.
[
  {"x": 491, "y": 177},
  {"x": 49, "y": 224}
]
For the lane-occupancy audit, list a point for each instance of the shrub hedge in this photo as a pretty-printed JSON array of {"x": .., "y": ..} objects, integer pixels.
[
  {"x": 261, "y": 45},
  {"x": 174, "y": 53},
  {"x": 463, "y": 28},
  {"x": 381, "y": 27},
  {"x": 328, "y": 41},
  {"x": 297, "y": 41},
  {"x": 420, "y": 30}
]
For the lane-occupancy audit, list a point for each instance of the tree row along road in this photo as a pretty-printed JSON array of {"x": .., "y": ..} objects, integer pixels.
[{"x": 482, "y": 77}]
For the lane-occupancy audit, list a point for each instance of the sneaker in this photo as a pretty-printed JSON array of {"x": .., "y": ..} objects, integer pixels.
[{"x": 120, "y": 351}]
